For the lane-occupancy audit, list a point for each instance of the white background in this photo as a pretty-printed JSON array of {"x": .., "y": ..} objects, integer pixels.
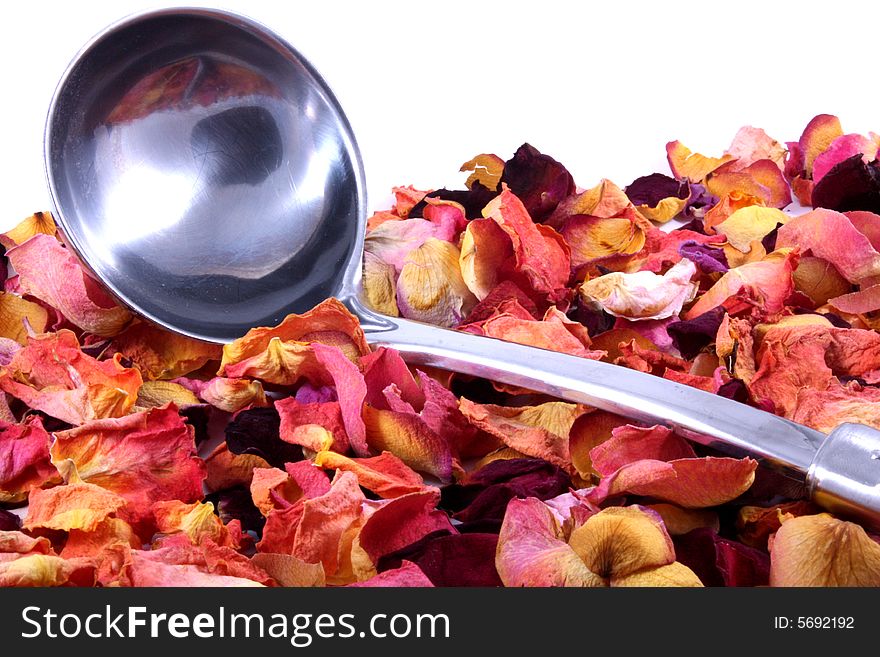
[{"x": 600, "y": 86}]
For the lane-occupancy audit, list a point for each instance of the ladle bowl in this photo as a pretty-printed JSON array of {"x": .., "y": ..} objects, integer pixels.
[{"x": 204, "y": 171}]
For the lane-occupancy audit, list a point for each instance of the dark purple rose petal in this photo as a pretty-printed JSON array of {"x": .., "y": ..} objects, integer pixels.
[
  {"x": 850, "y": 185},
  {"x": 198, "y": 416},
  {"x": 596, "y": 320},
  {"x": 9, "y": 521},
  {"x": 769, "y": 241},
  {"x": 256, "y": 431},
  {"x": 450, "y": 560},
  {"x": 719, "y": 561},
  {"x": 650, "y": 190},
  {"x": 489, "y": 489},
  {"x": 538, "y": 180},
  {"x": 695, "y": 225},
  {"x": 735, "y": 390},
  {"x": 709, "y": 259},
  {"x": 700, "y": 200},
  {"x": 472, "y": 200},
  {"x": 237, "y": 504},
  {"x": 691, "y": 336}
]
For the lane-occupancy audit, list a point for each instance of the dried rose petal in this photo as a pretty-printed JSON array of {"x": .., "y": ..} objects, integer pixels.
[
  {"x": 39, "y": 222},
  {"x": 53, "y": 375},
  {"x": 51, "y": 273},
  {"x": 542, "y": 255},
  {"x": 283, "y": 354},
  {"x": 72, "y": 506},
  {"x": 767, "y": 283},
  {"x": 629, "y": 443},
  {"x": 540, "y": 431},
  {"x": 144, "y": 457},
  {"x": 643, "y": 295},
  {"x": 832, "y": 236},
  {"x": 18, "y": 315},
  {"x": 24, "y": 459},
  {"x": 408, "y": 574},
  {"x": 485, "y": 248},
  {"x": 821, "y": 550},
  {"x": 47, "y": 570},
  {"x": 752, "y": 144},
  {"x": 380, "y": 285},
  {"x": 694, "y": 167},
  {"x": 430, "y": 287},
  {"x": 539, "y": 180},
  {"x": 532, "y": 550},
  {"x": 761, "y": 179},
  {"x": 688, "y": 482},
  {"x": 386, "y": 475},
  {"x": 658, "y": 197},
  {"x": 197, "y": 521},
  {"x": 287, "y": 570},
  {"x": 749, "y": 224}
]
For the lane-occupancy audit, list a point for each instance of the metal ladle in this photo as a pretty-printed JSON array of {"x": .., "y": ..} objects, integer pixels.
[{"x": 204, "y": 171}]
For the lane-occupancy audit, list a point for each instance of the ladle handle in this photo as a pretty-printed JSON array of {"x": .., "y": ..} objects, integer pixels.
[{"x": 708, "y": 419}]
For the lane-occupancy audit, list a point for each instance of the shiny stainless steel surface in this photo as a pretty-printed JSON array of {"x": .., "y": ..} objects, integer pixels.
[
  {"x": 845, "y": 474},
  {"x": 206, "y": 174}
]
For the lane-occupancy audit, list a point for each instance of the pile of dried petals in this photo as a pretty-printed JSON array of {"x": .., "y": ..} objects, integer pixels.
[{"x": 343, "y": 466}]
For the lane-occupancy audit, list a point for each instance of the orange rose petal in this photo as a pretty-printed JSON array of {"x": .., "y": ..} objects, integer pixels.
[
  {"x": 406, "y": 198},
  {"x": 39, "y": 222},
  {"x": 261, "y": 353},
  {"x": 196, "y": 521},
  {"x": 485, "y": 169},
  {"x": 820, "y": 132},
  {"x": 588, "y": 431},
  {"x": 685, "y": 164},
  {"x": 539, "y": 431},
  {"x": 532, "y": 550},
  {"x": 541, "y": 253},
  {"x": 72, "y": 506},
  {"x": 225, "y": 469},
  {"x": 287, "y": 570},
  {"x": 821, "y": 550},
  {"x": 145, "y": 457},
  {"x": 767, "y": 284},
  {"x": 762, "y": 179},
  {"x": 20, "y": 317},
  {"x": 407, "y": 436},
  {"x": 592, "y": 238},
  {"x": 691, "y": 482},
  {"x": 385, "y": 475},
  {"x": 51, "y": 273},
  {"x": 53, "y": 375},
  {"x": 47, "y": 570},
  {"x": 180, "y": 563},
  {"x": 553, "y": 333},
  {"x": 16, "y": 543},
  {"x": 313, "y": 529},
  {"x": 161, "y": 354}
]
